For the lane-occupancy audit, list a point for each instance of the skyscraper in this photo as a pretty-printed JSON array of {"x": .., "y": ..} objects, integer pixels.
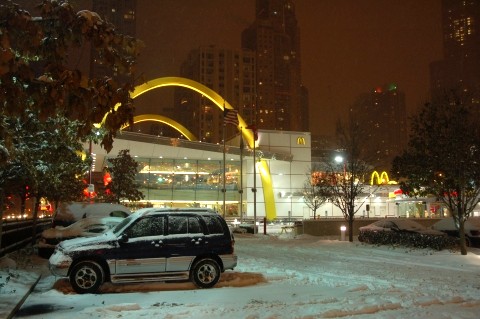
[
  {"x": 274, "y": 36},
  {"x": 230, "y": 73},
  {"x": 121, "y": 13},
  {"x": 382, "y": 115},
  {"x": 459, "y": 72}
]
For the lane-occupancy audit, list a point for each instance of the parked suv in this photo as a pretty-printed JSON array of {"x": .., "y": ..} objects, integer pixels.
[{"x": 151, "y": 244}]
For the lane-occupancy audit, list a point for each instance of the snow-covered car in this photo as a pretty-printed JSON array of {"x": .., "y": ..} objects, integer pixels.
[
  {"x": 85, "y": 227},
  {"x": 401, "y": 231},
  {"x": 472, "y": 229},
  {"x": 68, "y": 213}
]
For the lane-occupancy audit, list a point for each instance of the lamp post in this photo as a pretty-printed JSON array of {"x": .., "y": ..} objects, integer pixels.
[{"x": 339, "y": 159}]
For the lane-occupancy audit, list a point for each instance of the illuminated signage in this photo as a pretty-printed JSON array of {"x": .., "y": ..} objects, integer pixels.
[
  {"x": 380, "y": 179},
  {"x": 300, "y": 140}
]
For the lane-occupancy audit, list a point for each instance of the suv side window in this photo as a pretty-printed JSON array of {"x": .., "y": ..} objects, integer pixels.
[
  {"x": 149, "y": 226},
  {"x": 194, "y": 226},
  {"x": 183, "y": 225},
  {"x": 213, "y": 224}
]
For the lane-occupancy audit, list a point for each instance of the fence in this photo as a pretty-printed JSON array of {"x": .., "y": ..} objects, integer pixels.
[{"x": 19, "y": 233}]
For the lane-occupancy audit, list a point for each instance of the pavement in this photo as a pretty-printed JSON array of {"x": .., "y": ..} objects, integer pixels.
[
  {"x": 20, "y": 272},
  {"x": 17, "y": 304}
]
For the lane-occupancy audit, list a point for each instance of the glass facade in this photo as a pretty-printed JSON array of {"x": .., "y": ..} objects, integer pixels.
[{"x": 190, "y": 182}]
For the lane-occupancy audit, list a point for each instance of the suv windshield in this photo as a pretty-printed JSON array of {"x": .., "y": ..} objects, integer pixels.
[{"x": 122, "y": 225}]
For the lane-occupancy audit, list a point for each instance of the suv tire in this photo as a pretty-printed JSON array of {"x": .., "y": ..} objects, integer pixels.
[
  {"x": 205, "y": 273},
  {"x": 86, "y": 277}
]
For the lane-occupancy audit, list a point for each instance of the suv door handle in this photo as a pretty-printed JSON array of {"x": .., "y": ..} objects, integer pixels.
[
  {"x": 157, "y": 244},
  {"x": 196, "y": 241}
]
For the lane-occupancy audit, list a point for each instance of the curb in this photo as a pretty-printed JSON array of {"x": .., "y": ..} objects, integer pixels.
[{"x": 20, "y": 303}]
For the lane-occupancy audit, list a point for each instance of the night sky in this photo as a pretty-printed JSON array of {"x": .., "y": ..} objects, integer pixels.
[{"x": 348, "y": 47}]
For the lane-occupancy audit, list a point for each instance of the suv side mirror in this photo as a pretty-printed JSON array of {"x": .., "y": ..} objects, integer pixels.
[{"x": 123, "y": 238}]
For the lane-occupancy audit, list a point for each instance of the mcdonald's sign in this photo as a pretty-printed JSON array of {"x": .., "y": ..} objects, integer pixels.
[
  {"x": 379, "y": 178},
  {"x": 300, "y": 140}
]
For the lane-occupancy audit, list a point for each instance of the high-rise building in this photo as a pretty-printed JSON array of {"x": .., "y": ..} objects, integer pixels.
[
  {"x": 459, "y": 72},
  {"x": 383, "y": 117},
  {"x": 121, "y": 13},
  {"x": 274, "y": 36},
  {"x": 230, "y": 73}
]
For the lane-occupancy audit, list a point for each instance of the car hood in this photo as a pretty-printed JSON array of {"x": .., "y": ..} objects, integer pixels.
[
  {"x": 105, "y": 240},
  {"x": 63, "y": 232}
]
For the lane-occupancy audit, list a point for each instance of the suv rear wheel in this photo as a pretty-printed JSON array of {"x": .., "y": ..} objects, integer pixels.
[
  {"x": 86, "y": 277},
  {"x": 205, "y": 273}
]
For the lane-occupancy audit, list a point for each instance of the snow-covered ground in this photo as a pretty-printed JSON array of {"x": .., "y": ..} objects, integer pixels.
[{"x": 278, "y": 276}]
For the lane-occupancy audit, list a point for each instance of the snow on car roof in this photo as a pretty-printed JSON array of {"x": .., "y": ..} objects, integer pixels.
[{"x": 473, "y": 223}]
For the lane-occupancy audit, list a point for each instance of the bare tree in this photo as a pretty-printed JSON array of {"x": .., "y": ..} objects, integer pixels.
[
  {"x": 346, "y": 174},
  {"x": 314, "y": 191}
]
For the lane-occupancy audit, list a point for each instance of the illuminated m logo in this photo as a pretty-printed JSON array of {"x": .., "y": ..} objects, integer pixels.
[
  {"x": 380, "y": 179},
  {"x": 300, "y": 140}
]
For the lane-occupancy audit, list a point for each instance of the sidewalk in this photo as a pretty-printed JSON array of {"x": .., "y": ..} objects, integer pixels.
[
  {"x": 14, "y": 292},
  {"x": 19, "y": 274}
]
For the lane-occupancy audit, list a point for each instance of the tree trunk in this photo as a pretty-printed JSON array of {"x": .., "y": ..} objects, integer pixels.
[
  {"x": 2, "y": 198},
  {"x": 34, "y": 219},
  {"x": 350, "y": 229},
  {"x": 463, "y": 242}
]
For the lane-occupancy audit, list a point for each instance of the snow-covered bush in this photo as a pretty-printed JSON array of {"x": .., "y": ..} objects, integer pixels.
[{"x": 407, "y": 239}]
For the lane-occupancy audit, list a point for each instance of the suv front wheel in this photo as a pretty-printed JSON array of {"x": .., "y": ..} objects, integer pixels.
[
  {"x": 205, "y": 273},
  {"x": 86, "y": 277}
]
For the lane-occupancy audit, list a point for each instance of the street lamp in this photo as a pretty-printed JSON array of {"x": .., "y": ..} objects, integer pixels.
[{"x": 339, "y": 159}]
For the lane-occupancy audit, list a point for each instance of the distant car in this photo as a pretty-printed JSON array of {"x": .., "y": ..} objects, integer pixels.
[
  {"x": 472, "y": 229},
  {"x": 85, "y": 227},
  {"x": 397, "y": 226},
  {"x": 68, "y": 213},
  {"x": 152, "y": 244}
]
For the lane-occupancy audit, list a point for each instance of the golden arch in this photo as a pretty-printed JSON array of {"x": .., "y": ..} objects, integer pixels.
[
  {"x": 197, "y": 87},
  {"x": 381, "y": 179},
  {"x": 165, "y": 120},
  {"x": 221, "y": 103},
  {"x": 301, "y": 140}
]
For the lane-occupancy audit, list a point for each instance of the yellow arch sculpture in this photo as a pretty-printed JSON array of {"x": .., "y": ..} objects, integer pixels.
[
  {"x": 197, "y": 87},
  {"x": 221, "y": 103},
  {"x": 165, "y": 120}
]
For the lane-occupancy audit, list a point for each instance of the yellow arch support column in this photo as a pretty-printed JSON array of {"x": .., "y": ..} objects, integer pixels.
[{"x": 266, "y": 177}]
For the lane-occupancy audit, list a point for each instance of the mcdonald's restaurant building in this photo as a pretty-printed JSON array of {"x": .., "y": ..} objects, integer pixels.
[{"x": 181, "y": 173}]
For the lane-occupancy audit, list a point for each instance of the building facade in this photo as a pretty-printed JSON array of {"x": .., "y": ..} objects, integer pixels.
[
  {"x": 122, "y": 14},
  {"x": 230, "y": 73},
  {"x": 382, "y": 115},
  {"x": 180, "y": 173},
  {"x": 458, "y": 74},
  {"x": 274, "y": 36}
]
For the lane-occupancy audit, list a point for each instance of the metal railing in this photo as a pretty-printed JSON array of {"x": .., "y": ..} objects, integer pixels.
[{"x": 19, "y": 233}]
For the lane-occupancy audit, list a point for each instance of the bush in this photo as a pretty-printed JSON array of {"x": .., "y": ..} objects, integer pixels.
[{"x": 407, "y": 239}]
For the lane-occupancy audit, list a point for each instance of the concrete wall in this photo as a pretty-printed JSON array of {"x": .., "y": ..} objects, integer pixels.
[{"x": 331, "y": 227}]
